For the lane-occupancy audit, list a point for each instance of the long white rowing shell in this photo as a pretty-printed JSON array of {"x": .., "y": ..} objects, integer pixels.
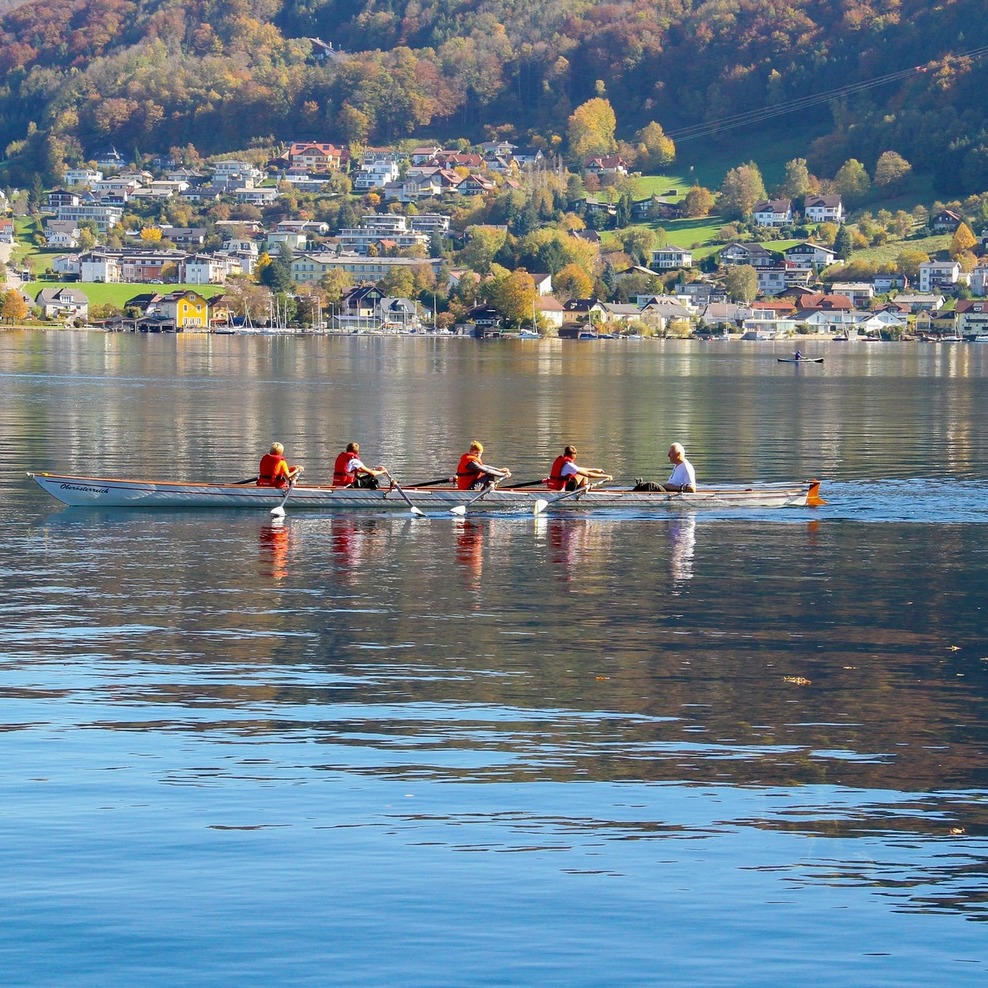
[{"x": 117, "y": 492}]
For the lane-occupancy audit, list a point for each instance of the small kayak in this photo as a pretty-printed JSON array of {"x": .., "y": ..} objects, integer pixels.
[{"x": 800, "y": 360}]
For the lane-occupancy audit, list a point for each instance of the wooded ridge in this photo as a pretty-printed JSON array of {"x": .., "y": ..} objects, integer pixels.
[{"x": 147, "y": 75}]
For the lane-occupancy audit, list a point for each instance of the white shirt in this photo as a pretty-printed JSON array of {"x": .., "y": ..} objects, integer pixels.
[{"x": 683, "y": 475}]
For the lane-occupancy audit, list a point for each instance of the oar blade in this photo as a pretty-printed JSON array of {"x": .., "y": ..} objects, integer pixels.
[
  {"x": 540, "y": 505},
  {"x": 417, "y": 512},
  {"x": 460, "y": 509},
  {"x": 278, "y": 511}
]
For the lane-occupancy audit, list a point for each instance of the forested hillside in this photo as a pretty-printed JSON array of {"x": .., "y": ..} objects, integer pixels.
[{"x": 147, "y": 75}]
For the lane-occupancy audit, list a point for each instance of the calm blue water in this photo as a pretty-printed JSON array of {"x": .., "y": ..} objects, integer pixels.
[{"x": 732, "y": 749}]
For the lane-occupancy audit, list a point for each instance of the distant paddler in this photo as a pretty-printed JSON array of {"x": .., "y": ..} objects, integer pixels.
[
  {"x": 275, "y": 470},
  {"x": 473, "y": 474},
  {"x": 567, "y": 475}
]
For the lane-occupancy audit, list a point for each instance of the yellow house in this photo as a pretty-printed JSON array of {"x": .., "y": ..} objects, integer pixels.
[{"x": 186, "y": 310}]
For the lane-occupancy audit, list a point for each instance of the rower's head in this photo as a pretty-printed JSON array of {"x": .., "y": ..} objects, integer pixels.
[
  {"x": 676, "y": 453},
  {"x": 569, "y": 451},
  {"x": 277, "y": 449},
  {"x": 353, "y": 447},
  {"x": 476, "y": 447}
]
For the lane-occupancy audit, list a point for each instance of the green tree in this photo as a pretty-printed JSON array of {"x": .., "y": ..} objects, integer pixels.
[
  {"x": 797, "y": 181},
  {"x": 637, "y": 242},
  {"x": 741, "y": 283},
  {"x": 483, "y": 244},
  {"x": 851, "y": 180},
  {"x": 742, "y": 188},
  {"x": 844, "y": 244}
]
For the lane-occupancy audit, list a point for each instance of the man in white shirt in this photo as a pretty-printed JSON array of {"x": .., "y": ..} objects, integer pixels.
[{"x": 683, "y": 476}]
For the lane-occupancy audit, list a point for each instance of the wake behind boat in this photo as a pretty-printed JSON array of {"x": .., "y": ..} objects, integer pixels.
[{"x": 118, "y": 492}]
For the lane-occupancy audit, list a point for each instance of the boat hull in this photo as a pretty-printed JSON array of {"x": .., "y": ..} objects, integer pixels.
[{"x": 121, "y": 493}]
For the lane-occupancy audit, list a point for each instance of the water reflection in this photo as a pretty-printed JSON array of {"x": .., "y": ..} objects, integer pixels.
[
  {"x": 682, "y": 544},
  {"x": 273, "y": 541},
  {"x": 469, "y": 550}
]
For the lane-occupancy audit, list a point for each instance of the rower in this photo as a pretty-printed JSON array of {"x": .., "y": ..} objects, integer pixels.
[
  {"x": 350, "y": 471},
  {"x": 274, "y": 469},
  {"x": 472, "y": 472},
  {"x": 566, "y": 475}
]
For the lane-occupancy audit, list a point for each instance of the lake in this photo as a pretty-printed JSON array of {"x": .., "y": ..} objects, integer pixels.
[{"x": 736, "y": 748}]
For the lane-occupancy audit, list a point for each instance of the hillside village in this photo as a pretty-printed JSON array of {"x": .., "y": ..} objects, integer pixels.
[{"x": 428, "y": 239}]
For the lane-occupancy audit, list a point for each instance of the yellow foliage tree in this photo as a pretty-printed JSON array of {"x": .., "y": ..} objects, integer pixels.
[
  {"x": 963, "y": 241},
  {"x": 591, "y": 128}
]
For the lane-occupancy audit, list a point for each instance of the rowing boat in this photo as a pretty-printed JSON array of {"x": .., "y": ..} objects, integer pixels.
[
  {"x": 800, "y": 360},
  {"x": 115, "y": 492}
]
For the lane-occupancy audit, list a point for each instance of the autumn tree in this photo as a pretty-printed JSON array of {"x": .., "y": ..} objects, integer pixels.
[
  {"x": 13, "y": 308},
  {"x": 742, "y": 188},
  {"x": 572, "y": 282},
  {"x": 655, "y": 150},
  {"x": 908, "y": 262},
  {"x": 513, "y": 295},
  {"x": 741, "y": 283},
  {"x": 962, "y": 241},
  {"x": 698, "y": 202},
  {"x": 891, "y": 168},
  {"x": 591, "y": 128}
]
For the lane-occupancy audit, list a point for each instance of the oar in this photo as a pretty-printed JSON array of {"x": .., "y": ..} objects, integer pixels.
[
  {"x": 248, "y": 480},
  {"x": 541, "y": 504},
  {"x": 404, "y": 496},
  {"x": 461, "y": 509},
  {"x": 433, "y": 483},
  {"x": 279, "y": 510},
  {"x": 527, "y": 483}
]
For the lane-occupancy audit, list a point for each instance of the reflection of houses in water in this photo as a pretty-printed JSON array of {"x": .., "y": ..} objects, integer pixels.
[{"x": 682, "y": 543}]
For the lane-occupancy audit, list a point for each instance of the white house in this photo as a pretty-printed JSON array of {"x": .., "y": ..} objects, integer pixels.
[
  {"x": 671, "y": 257},
  {"x": 935, "y": 275},
  {"x": 83, "y": 176},
  {"x": 823, "y": 209},
  {"x": 810, "y": 255},
  {"x": 772, "y": 212}
]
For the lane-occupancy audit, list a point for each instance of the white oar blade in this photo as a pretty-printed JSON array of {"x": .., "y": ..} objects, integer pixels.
[
  {"x": 418, "y": 512},
  {"x": 278, "y": 512},
  {"x": 460, "y": 509},
  {"x": 540, "y": 505}
]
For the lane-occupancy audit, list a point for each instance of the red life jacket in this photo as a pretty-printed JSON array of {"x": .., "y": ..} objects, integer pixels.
[
  {"x": 557, "y": 481},
  {"x": 340, "y": 476},
  {"x": 273, "y": 471},
  {"x": 467, "y": 471}
]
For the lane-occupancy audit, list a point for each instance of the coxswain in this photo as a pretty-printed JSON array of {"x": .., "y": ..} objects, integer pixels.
[
  {"x": 472, "y": 472},
  {"x": 274, "y": 470}
]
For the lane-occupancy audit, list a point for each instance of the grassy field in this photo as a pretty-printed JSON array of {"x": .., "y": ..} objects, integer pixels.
[{"x": 100, "y": 294}]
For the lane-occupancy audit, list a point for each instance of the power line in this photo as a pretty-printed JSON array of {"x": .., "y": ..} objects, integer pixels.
[{"x": 709, "y": 127}]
